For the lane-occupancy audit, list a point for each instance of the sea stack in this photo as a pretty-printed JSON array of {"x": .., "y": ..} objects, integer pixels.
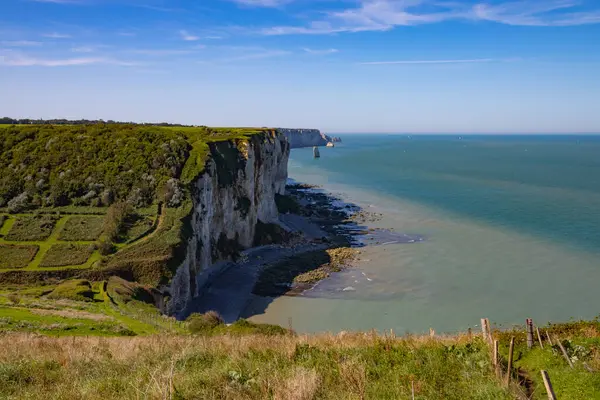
[{"x": 316, "y": 152}]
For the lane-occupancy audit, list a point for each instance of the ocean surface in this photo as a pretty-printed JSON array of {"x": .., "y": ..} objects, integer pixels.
[{"x": 511, "y": 227}]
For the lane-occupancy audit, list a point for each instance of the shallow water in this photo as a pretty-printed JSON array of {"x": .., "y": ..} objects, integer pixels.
[{"x": 512, "y": 228}]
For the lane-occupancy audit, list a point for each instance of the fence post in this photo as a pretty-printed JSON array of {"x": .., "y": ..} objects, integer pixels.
[
  {"x": 548, "y": 384},
  {"x": 529, "y": 323},
  {"x": 539, "y": 337},
  {"x": 562, "y": 348},
  {"x": 510, "y": 360}
]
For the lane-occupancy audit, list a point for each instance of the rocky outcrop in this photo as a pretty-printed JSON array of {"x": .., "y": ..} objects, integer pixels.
[
  {"x": 305, "y": 137},
  {"x": 235, "y": 193}
]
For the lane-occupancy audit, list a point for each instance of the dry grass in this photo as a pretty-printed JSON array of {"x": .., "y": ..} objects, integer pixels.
[{"x": 345, "y": 366}]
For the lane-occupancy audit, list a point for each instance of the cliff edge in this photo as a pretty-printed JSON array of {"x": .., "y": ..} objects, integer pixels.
[{"x": 305, "y": 137}]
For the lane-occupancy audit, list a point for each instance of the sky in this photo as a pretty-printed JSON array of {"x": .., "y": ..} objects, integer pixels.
[{"x": 405, "y": 66}]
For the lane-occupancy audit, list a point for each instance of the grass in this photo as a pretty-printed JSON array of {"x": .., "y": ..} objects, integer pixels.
[
  {"x": 582, "y": 343},
  {"x": 347, "y": 366},
  {"x": 2, "y": 219},
  {"x": 75, "y": 289},
  {"x": 60, "y": 255},
  {"x": 32, "y": 228},
  {"x": 82, "y": 228},
  {"x": 16, "y": 256}
]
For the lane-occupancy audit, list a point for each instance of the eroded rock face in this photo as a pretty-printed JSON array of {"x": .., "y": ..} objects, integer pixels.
[
  {"x": 305, "y": 137},
  {"x": 236, "y": 191}
]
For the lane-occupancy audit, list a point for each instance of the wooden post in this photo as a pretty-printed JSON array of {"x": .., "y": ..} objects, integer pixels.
[
  {"x": 529, "y": 324},
  {"x": 562, "y": 348},
  {"x": 412, "y": 389},
  {"x": 495, "y": 360},
  {"x": 490, "y": 338},
  {"x": 484, "y": 329},
  {"x": 548, "y": 384},
  {"x": 549, "y": 338},
  {"x": 510, "y": 360},
  {"x": 539, "y": 337}
]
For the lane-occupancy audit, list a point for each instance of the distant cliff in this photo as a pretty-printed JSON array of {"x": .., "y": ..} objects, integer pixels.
[{"x": 305, "y": 137}]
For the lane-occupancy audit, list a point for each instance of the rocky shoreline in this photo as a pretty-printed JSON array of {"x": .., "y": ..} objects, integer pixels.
[{"x": 326, "y": 237}]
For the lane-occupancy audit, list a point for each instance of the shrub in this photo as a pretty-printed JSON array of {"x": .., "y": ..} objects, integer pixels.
[
  {"x": 14, "y": 298},
  {"x": 204, "y": 323},
  {"x": 114, "y": 220},
  {"x": 106, "y": 248},
  {"x": 125, "y": 291}
]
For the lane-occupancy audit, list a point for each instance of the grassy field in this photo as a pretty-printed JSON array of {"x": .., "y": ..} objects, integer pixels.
[
  {"x": 61, "y": 255},
  {"x": 16, "y": 256},
  {"x": 350, "y": 366},
  {"x": 32, "y": 228},
  {"x": 82, "y": 228},
  {"x": 581, "y": 341}
]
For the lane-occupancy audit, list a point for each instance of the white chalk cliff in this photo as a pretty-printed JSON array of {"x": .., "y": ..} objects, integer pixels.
[
  {"x": 235, "y": 192},
  {"x": 305, "y": 137}
]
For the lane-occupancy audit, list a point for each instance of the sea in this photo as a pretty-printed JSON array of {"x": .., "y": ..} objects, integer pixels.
[{"x": 511, "y": 228}]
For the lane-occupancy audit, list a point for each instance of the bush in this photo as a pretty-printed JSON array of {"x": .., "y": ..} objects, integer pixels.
[
  {"x": 14, "y": 298},
  {"x": 114, "y": 220},
  {"x": 204, "y": 323},
  {"x": 125, "y": 291},
  {"x": 106, "y": 248}
]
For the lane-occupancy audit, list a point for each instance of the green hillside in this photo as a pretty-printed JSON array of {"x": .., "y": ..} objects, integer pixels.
[{"x": 76, "y": 199}]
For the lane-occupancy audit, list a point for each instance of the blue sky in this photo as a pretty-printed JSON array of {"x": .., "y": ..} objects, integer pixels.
[{"x": 341, "y": 66}]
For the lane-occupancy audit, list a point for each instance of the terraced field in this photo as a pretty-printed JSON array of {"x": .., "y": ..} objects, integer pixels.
[{"x": 38, "y": 241}]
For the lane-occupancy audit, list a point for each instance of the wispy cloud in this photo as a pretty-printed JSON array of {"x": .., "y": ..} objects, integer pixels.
[
  {"x": 382, "y": 15},
  {"x": 56, "y": 35},
  {"x": 536, "y": 13},
  {"x": 19, "y": 60},
  {"x": 185, "y": 35},
  {"x": 20, "y": 43},
  {"x": 320, "y": 51},
  {"x": 467, "y": 61}
]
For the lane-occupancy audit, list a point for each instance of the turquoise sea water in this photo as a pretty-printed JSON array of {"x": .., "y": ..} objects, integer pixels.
[{"x": 512, "y": 226}]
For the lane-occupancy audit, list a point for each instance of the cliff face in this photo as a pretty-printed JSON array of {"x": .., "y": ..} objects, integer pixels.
[
  {"x": 305, "y": 137},
  {"x": 236, "y": 191}
]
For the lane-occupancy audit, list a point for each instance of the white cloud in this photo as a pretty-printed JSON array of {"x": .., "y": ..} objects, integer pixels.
[
  {"x": 185, "y": 35},
  {"x": 382, "y": 15},
  {"x": 20, "y": 43},
  {"x": 18, "y": 60},
  {"x": 536, "y": 13},
  {"x": 320, "y": 52},
  {"x": 56, "y": 35}
]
